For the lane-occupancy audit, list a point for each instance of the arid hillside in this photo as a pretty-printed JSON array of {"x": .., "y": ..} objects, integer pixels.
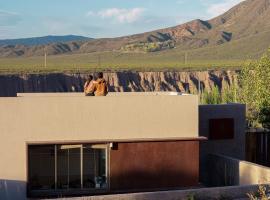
[
  {"x": 119, "y": 81},
  {"x": 247, "y": 22}
]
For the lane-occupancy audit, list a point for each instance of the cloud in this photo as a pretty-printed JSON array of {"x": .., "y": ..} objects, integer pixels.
[
  {"x": 9, "y": 18},
  {"x": 90, "y": 13},
  {"x": 219, "y": 8},
  {"x": 119, "y": 14}
]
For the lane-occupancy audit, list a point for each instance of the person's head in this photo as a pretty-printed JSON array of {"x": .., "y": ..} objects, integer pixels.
[
  {"x": 90, "y": 78},
  {"x": 100, "y": 75}
]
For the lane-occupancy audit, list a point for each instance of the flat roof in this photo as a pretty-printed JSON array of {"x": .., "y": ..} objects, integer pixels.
[{"x": 80, "y": 94}]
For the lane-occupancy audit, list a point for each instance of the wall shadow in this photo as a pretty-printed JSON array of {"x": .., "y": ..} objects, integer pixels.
[{"x": 12, "y": 189}]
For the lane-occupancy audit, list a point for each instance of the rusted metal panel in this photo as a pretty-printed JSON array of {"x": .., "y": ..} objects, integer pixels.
[{"x": 154, "y": 165}]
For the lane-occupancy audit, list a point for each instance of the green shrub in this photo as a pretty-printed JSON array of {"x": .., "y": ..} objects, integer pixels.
[
  {"x": 215, "y": 96},
  {"x": 255, "y": 92}
]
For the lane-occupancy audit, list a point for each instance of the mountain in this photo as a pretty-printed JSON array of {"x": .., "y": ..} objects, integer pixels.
[
  {"x": 43, "y": 40},
  {"x": 243, "y": 31}
]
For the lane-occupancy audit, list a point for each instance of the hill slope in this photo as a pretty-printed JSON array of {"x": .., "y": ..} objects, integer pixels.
[{"x": 240, "y": 33}]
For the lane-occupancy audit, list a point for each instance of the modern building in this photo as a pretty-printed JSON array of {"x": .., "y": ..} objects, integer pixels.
[{"x": 68, "y": 144}]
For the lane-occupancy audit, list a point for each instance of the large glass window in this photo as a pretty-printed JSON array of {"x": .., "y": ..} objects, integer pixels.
[
  {"x": 41, "y": 166},
  {"x": 64, "y": 167},
  {"x": 94, "y": 166}
]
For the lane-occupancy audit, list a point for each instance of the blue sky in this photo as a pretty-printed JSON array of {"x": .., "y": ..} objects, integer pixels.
[{"x": 101, "y": 18}]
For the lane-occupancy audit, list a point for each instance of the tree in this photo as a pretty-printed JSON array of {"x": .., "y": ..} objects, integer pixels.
[
  {"x": 211, "y": 97},
  {"x": 255, "y": 91}
]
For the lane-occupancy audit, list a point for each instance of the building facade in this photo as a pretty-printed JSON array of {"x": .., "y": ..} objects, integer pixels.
[{"x": 68, "y": 144}]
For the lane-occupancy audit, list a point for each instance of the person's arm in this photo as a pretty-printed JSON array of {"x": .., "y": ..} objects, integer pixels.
[
  {"x": 85, "y": 86},
  {"x": 93, "y": 87}
]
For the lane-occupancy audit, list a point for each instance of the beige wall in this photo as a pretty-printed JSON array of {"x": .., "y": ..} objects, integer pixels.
[
  {"x": 51, "y": 118},
  {"x": 251, "y": 173}
]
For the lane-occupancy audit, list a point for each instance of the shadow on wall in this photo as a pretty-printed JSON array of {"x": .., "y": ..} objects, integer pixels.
[
  {"x": 226, "y": 171},
  {"x": 159, "y": 180},
  {"x": 12, "y": 189},
  {"x": 222, "y": 171}
]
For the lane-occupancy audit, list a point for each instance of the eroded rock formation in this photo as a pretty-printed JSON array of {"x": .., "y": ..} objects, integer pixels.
[{"x": 119, "y": 81}]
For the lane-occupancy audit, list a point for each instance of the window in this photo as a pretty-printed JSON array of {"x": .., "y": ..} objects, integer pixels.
[
  {"x": 41, "y": 162},
  {"x": 221, "y": 129},
  {"x": 66, "y": 167}
]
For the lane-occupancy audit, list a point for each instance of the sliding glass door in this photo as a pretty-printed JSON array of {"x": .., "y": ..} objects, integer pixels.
[
  {"x": 67, "y": 167},
  {"x": 94, "y": 167}
]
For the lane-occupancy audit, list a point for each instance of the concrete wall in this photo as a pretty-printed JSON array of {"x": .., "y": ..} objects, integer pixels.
[
  {"x": 235, "y": 192},
  {"x": 230, "y": 147},
  {"x": 53, "y": 119},
  {"x": 226, "y": 171}
]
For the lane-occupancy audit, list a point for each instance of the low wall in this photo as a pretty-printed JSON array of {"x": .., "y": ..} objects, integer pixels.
[
  {"x": 226, "y": 171},
  {"x": 235, "y": 192}
]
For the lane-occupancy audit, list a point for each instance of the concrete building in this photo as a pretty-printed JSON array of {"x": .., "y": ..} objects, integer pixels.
[
  {"x": 68, "y": 144},
  {"x": 224, "y": 125}
]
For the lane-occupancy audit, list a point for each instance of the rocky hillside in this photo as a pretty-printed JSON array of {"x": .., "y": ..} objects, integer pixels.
[
  {"x": 118, "y": 82},
  {"x": 247, "y": 22}
]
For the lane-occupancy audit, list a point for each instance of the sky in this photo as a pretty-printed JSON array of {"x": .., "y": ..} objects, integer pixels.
[{"x": 101, "y": 18}]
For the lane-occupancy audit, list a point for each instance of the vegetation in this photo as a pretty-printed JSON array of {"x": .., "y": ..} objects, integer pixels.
[
  {"x": 261, "y": 194},
  {"x": 115, "y": 61},
  {"x": 148, "y": 46},
  {"x": 255, "y": 92},
  {"x": 229, "y": 94}
]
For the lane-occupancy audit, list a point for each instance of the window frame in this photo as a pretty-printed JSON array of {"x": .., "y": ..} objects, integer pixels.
[{"x": 69, "y": 192}]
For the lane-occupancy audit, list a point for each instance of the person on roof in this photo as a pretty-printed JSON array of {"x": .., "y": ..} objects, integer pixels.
[
  {"x": 100, "y": 85},
  {"x": 89, "y": 86}
]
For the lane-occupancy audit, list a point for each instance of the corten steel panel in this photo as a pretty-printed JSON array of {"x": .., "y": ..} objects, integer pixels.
[{"x": 154, "y": 165}]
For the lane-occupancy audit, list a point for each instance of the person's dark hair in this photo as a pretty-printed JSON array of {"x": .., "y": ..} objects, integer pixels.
[
  {"x": 90, "y": 78},
  {"x": 100, "y": 75}
]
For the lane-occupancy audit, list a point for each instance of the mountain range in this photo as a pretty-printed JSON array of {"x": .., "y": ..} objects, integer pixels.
[
  {"x": 43, "y": 40},
  {"x": 242, "y": 31}
]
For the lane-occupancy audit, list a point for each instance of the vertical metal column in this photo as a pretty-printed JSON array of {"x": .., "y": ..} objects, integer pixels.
[
  {"x": 68, "y": 168},
  {"x": 81, "y": 166},
  {"x": 55, "y": 167}
]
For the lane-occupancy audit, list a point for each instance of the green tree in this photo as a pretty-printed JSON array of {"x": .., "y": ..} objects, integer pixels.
[
  {"x": 255, "y": 91},
  {"x": 211, "y": 97}
]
